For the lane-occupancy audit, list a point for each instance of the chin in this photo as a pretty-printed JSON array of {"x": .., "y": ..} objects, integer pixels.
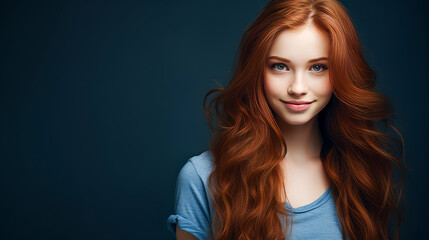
[
  {"x": 296, "y": 120},
  {"x": 296, "y": 123}
]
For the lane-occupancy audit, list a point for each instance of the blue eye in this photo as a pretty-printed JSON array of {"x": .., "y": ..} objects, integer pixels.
[
  {"x": 320, "y": 67},
  {"x": 315, "y": 67},
  {"x": 278, "y": 66}
]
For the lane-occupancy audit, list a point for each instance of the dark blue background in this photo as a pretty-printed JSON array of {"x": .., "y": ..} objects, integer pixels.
[{"x": 101, "y": 105}]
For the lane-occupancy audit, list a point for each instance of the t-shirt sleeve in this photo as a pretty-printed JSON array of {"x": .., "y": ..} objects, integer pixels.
[{"x": 191, "y": 204}]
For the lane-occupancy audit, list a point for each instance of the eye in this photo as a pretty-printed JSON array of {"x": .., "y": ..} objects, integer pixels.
[
  {"x": 279, "y": 66},
  {"x": 282, "y": 67},
  {"x": 319, "y": 67}
]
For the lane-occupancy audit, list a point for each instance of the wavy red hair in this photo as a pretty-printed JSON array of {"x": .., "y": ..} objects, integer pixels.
[{"x": 246, "y": 181}]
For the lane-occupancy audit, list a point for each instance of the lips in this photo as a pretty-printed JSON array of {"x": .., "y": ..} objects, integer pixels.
[
  {"x": 298, "y": 106},
  {"x": 298, "y": 102}
]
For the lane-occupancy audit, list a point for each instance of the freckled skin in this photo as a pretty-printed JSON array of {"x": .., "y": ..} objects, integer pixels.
[{"x": 299, "y": 79}]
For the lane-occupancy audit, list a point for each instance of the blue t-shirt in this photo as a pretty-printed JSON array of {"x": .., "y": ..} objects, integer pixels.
[{"x": 194, "y": 208}]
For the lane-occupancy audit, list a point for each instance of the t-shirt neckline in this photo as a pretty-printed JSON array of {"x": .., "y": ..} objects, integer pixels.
[{"x": 315, "y": 204}]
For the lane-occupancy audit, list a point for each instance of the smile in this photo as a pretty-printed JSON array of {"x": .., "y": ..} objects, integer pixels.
[{"x": 298, "y": 107}]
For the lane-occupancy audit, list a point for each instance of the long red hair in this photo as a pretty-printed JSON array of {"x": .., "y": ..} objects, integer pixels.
[{"x": 246, "y": 181}]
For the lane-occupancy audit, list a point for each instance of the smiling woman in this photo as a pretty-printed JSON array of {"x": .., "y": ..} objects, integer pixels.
[
  {"x": 295, "y": 153},
  {"x": 297, "y": 75}
]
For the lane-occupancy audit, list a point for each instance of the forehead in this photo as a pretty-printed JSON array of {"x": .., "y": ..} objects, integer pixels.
[{"x": 301, "y": 44}]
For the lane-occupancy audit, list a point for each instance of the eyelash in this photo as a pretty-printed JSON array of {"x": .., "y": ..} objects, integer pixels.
[{"x": 324, "y": 67}]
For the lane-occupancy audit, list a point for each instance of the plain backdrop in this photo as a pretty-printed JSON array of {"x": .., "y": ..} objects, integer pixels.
[{"x": 102, "y": 104}]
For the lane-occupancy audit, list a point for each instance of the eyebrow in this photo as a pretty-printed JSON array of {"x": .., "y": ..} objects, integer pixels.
[{"x": 287, "y": 60}]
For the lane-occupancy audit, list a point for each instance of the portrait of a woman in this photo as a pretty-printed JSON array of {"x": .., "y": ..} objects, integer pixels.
[{"x": 295, "y": 151}]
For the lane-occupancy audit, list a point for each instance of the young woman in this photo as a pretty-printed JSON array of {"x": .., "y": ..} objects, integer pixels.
[{"x": 295, "y": 153}]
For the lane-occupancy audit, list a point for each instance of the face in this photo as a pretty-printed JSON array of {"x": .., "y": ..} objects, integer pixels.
[{"x": 297, "y": 70}]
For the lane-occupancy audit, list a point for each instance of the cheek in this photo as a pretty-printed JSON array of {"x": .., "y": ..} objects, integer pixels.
[
  {"x": 323, "y": 88},
  {"x": 272, "y": 87}
]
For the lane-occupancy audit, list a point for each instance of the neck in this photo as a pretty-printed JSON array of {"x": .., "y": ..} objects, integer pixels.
[{"x": 304, "y": 142}]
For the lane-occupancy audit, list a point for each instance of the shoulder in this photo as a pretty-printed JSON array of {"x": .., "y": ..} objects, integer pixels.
[
  {"x": 202, "y": 163},
  {"x": 197, "y": 167},
  {"x": 193, "y": 206}
]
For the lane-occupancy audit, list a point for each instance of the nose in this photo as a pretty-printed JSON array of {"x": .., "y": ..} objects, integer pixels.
[{"x": 297, "y": 86}]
